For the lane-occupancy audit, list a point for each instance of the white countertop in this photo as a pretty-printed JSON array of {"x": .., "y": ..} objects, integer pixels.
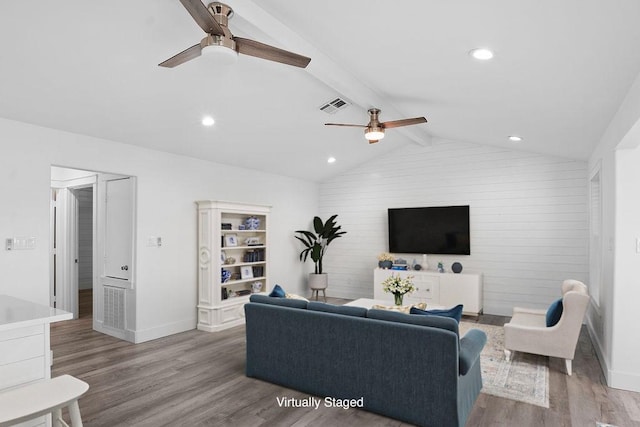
[{"x": 16, "y": 312}]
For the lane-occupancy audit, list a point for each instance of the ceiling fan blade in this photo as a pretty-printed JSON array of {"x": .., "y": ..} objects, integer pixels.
[
  {"x": 184, "y": 56},
  {"x": 403, "y": 122},
  {"x": 373, "y": 141},
  {"x": 202, "y": 16},
  {"x": 264, "y": 51},
  {"x": 345, "y": 124}
]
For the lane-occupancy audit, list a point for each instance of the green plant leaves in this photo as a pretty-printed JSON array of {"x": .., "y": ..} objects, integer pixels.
[{"x": 316, "y": 244}]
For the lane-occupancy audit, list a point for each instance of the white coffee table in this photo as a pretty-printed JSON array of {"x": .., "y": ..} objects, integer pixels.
[{"x": 368, "y": 303}]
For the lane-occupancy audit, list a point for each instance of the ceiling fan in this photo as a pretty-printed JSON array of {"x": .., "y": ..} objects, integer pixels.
[
  {"x": 214, "y": 19},
  {"x": 374, "y": 130}
]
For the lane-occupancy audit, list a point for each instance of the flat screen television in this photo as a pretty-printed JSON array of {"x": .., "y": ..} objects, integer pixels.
[{"x": 430, "y": 230}]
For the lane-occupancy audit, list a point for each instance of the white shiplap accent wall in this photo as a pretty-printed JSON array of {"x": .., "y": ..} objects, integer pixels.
[{"x": 528, "y": 218}]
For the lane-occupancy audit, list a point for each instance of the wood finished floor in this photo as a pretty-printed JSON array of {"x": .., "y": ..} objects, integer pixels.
[{"x": 197, "y": 378}]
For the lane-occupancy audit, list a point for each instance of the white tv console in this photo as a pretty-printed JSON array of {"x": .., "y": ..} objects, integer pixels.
[{"x": 444, "y": 289}]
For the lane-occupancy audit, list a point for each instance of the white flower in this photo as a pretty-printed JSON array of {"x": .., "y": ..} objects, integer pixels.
[
  {"x": 398, "y": 285},
  {"x": 385, "y": 256}
]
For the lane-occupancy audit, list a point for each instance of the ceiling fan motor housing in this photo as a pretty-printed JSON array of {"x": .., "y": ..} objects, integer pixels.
[
  {"x": 216, "y": 40},
  {"x": 221, "y": 12}
]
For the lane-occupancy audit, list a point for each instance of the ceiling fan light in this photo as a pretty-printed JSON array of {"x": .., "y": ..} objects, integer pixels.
[
  {"x": 374, "y": 133},
  {"x": 220, "y": 54}
]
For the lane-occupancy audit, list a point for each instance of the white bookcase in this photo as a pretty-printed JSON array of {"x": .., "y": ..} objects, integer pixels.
[
  {"x": 230, "y": 230},
  {"x": 444, "y": 289}
]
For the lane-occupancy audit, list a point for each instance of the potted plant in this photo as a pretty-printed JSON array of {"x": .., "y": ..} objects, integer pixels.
[
  {"x": 315, "y": 246},
  {"x": 385, "y": 260}
]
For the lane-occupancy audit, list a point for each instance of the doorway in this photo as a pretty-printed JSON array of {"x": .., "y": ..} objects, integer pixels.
[
  {"x": 89, "y": 235},
  {"x": 85, "y": 252}
]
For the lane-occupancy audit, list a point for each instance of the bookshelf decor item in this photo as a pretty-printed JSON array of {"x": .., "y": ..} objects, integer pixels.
[
  {"x": 236, "y": 237},
  {"x": 246, "y": 272},
  {"x": 230, "y": 240}
]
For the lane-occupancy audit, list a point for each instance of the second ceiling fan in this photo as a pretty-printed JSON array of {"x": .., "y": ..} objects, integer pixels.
[
  {"x": 214, "y": 19},
  {"x": 374, "y": 130}
]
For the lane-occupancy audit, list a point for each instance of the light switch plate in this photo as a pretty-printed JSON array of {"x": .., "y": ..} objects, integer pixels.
[{"x": 20, "y": 243}]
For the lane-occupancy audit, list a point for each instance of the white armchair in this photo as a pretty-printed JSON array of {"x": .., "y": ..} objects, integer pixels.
[{"x": 528, "y": 332}]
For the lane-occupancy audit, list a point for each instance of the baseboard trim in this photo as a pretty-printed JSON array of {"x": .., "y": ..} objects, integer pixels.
[
  {"x": 127, "y": 335},
  {"x": 599, "y": 349},
  {"x": 167, "y": 329},
  {"x": 624, "y": 381}
]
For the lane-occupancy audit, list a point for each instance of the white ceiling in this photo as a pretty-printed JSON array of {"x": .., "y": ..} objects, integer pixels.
[{"x": 561, "y": 70}]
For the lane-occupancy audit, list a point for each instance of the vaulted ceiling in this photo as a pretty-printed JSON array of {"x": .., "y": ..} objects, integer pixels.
[{"x": 560, "y": 71}]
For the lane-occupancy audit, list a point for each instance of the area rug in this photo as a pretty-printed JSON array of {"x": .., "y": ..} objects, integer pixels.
[{"x": 525, "y": 378}]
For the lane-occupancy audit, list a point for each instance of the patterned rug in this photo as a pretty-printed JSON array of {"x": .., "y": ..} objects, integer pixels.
[{"x": 525, "y": 378}]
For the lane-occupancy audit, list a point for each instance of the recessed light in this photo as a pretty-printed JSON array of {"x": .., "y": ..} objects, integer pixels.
[
  {"x": 481, "y": 53},
  {"x": 331, "y": 160},
  {"x": 514, "y": 138},
  {"x": 208, "y": 121}
]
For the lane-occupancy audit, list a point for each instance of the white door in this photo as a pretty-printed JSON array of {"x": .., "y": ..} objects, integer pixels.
[
  {"x": 118, "y": 229},
  {"x": 114, "y": 296},
  {"x": 66, "y": 251}
]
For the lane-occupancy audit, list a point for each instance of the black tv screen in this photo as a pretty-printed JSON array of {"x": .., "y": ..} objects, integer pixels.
[{"x": 430, "y": 230}]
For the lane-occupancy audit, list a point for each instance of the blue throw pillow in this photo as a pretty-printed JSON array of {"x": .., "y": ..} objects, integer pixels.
[
  {"x": 554, "y": 313},
  {"x": 453, "y": 312},
  {"x": 278, "y": 292}
]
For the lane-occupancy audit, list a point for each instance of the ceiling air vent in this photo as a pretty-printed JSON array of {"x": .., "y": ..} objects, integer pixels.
[{"x": 334, "y": 105}]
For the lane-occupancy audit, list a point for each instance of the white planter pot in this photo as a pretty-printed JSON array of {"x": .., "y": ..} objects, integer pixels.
[{"x": 318, "y": 281}]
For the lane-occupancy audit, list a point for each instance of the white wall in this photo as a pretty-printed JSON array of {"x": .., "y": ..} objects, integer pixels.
[
  {"x": 613, "y": 324},
  {"x": 625, "y": 360},
  {"x": 529, "y": 218},
  {"x": 167, "y": 187}
]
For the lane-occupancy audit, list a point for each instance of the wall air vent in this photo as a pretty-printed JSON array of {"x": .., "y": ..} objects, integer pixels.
[
  {"x": 334, "y": 105},
  {"x": 113, "y": 307}
]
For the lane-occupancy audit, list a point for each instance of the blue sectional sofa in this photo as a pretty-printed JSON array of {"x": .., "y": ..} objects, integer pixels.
[{"x": 412, "y": 368}]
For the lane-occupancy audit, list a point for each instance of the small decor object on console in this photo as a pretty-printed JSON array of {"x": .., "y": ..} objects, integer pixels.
[
  {"x": 398, "y": 286},
  {"x": 456, "y": 267},
  {"x": 385, "y": 260},
  {"x": 440, "y": 267},
  {"x": 400, "y": 264}
]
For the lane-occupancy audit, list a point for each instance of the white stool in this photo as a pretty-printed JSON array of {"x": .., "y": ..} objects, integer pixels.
[{"x": 49, "y": 396}]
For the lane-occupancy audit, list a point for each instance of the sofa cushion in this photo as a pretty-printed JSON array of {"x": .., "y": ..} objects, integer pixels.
[
  {"x": 287, "y": 302},
  {"x": 453, "y": 312},
  {"x": 278, "y": 292},
  {"x": 337, "y": 309},
  {"x": 294, "y": 296},
  {"x": 432, "y": 321},
  {"x": 554, "y": 313}
]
